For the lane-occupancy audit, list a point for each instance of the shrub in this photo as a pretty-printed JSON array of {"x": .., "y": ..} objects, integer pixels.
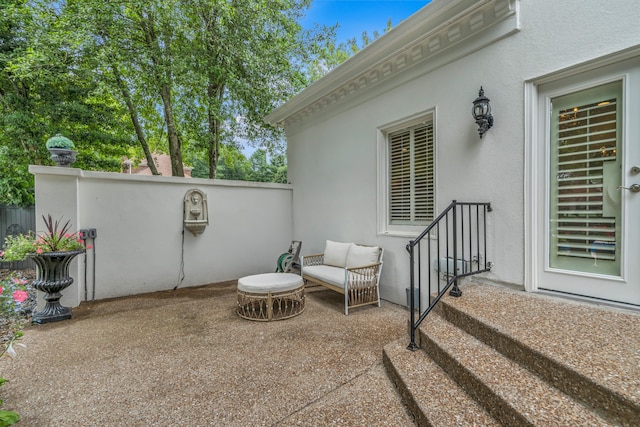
[
  {"x": 7, "y": 418},
  {"x": 60, "y": 141},
  {"x": 17, "y": 300}
]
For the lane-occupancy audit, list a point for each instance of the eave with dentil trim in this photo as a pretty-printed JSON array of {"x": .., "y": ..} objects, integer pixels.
[{"x": 439, "y": 33}]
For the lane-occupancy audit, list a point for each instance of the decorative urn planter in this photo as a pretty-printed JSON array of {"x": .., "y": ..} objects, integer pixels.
[
  {"x": 62, "y": 150},
  {"x": 53, "y": 277}
]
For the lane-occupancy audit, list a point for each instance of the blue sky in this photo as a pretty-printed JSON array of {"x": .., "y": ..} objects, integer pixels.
[{"x": 356, "y": 16}]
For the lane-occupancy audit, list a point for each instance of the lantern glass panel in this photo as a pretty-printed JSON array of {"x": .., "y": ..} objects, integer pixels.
[{"x": 480, "y": 110}]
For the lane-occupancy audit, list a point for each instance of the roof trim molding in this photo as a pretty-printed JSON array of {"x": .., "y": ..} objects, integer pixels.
[{"x": 432, "y": 34}]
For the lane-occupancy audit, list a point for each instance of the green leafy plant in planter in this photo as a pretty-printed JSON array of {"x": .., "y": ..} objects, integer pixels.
[
  {"x": 55, "y": 239},
  {"x": 52, "y": 252},
  {"x": 62, "y": 150},
  {"x": 60, "y": 141}
]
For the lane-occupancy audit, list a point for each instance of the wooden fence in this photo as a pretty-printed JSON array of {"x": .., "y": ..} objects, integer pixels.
[{"x": 16, "y": 220}]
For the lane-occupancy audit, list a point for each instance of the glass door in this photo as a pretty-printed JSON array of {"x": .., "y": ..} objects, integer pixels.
[
  {"x": 584, "y": 200},
  {"x": 588, "y": 209}
]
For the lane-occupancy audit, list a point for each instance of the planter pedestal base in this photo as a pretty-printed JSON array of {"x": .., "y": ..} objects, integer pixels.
[{"x": 52, "y": 311}]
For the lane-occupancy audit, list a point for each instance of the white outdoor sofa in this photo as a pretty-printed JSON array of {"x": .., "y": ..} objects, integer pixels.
[{"x": 350, "y": 269}]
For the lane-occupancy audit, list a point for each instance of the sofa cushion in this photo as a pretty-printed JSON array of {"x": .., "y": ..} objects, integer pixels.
[
  {"x": 335, "y": 253},
  {"x": 359, "y": 256},
  {"x": 332, "y": 275}
]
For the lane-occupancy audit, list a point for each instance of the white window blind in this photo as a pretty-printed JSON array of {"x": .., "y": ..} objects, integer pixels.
[
  {"x": 411, "y": 175},
  {"x": 587, "y": 136}
]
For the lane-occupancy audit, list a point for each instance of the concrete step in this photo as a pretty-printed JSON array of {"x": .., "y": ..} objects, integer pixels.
[
  {"x": 432, "y": 397},
  {"x": 510, "y": 393},
  {"x": 527, "y": 359},
  {"x": 590, "y": 352}
]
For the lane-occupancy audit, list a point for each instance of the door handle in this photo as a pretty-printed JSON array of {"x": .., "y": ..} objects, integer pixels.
[{"x": 634, "y": 188}]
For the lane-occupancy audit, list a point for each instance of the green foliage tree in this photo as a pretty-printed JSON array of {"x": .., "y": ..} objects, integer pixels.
[
  {"x": 331, "y": 54},
  {"x": 213, "y": 68},
  {"x": 187, "y": 77},
  {"x": 264, "y": 171},
  {"x": 47, "y": 88},
  {"x": 232, "y": 165}
]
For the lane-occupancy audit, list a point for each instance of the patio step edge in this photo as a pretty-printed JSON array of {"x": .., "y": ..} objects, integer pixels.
[
  {"x": 606, "y": 402},
  {"x": 509, "y": 392},
  {"x": 430, "y": 395}
]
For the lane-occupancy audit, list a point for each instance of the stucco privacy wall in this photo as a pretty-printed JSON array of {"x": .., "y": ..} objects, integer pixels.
[
  {"x": 139, "y": 221},
  {"x": 333, "y": 146}
]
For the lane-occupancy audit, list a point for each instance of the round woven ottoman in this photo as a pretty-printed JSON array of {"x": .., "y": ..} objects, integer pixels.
[{"x": 270, "y": 296}]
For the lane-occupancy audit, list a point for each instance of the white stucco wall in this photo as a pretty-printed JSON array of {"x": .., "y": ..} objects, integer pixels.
[
  {"x": 139, "y": 223},
  {"x": 333, "y": 151}
]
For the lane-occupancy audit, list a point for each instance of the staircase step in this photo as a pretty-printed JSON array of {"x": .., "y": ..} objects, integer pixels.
[
  {"x": 510, "y": 393},
  {"x": 432, "y": 397},
  {"x": 589, "y": 352}
]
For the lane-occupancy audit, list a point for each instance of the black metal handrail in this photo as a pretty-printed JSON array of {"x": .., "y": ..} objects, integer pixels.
[{"x": 462, "y": 241}]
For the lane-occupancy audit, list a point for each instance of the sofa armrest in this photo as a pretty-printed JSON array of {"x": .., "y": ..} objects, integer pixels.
[
  {"x": 315, "y": 259},
  {"x": 365, "y": 276},
  {"x": 375, "y": 265}
]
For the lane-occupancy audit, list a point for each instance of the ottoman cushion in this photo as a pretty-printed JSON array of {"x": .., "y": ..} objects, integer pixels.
[{"x": 269, "y": 282}]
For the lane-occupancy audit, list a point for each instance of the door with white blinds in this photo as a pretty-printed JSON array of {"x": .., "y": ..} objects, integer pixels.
[
  {"x": 589, "y": 216},
  {"x": 584, "y": 203}
]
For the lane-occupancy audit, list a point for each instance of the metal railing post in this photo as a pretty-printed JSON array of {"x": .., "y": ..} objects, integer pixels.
[
  {"x": 412, "y": 326},
  {"x": 455, "y": 290}
]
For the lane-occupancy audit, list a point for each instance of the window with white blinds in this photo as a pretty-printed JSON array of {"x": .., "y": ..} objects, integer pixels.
[
  {"x": 586, "y": 167},
  {"x": 411, "y": 175}
]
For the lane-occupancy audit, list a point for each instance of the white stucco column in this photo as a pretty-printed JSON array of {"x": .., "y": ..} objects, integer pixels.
[{"x": 56, "y": 193}]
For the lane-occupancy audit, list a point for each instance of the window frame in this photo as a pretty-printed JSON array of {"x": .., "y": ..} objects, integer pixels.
[{"x": 385, "y": 227}]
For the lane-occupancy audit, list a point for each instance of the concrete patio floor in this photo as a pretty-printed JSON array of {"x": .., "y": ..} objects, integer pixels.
[{"x": 184, "y": 358}]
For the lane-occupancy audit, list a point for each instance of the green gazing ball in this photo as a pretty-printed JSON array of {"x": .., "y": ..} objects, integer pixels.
[{"x": 60, "y": 141}]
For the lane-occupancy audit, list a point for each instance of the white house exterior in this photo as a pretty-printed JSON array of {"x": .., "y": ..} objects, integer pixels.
[{"x": 563, "y": 78}]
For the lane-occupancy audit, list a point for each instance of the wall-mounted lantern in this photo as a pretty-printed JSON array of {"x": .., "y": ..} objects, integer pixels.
[
  {"x": 482, "y": 113},
  {"x": 196, "y": 215}
]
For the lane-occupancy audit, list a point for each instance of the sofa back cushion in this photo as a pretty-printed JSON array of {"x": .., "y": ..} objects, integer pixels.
[
  {"x": 359, "y": 256},
  {"x": 335, "y": 253}
]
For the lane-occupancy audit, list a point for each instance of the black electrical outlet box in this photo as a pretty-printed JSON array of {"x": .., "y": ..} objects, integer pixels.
[
  {"x": 93, "y": 233},
  {"x": 83, "y": 234}
]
